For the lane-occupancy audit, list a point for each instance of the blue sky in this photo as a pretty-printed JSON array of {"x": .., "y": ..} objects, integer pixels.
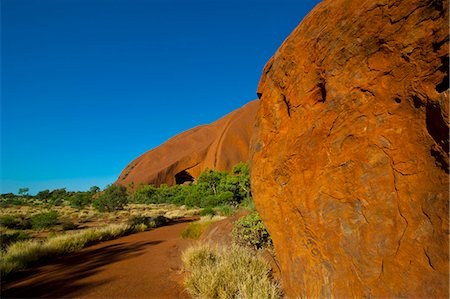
[{"x": 89, "y": 85}]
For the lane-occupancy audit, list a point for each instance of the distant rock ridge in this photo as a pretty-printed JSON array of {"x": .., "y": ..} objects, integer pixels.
[
  {"x": 350, "y": 154},
  {"x": 219, "y": 145}
]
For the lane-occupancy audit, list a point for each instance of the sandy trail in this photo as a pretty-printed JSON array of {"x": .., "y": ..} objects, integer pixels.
[{"x": 143, "y": 265}]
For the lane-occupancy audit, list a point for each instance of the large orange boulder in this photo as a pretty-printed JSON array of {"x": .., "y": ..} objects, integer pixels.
[
  {"x": 350, "y": 154},
  {"x": 219, "y": 145}
]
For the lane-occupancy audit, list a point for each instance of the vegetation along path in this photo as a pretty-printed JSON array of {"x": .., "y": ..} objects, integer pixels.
[{"x": 143, "y": 265}]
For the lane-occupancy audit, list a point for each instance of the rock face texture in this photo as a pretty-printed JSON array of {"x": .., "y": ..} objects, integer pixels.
[
  {"x": 350, "y": 153},
  {"x": 220, "y": 145}
]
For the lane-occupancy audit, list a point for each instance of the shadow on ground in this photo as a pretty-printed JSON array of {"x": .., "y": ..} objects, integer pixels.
[{"x": 61, "y": 277}]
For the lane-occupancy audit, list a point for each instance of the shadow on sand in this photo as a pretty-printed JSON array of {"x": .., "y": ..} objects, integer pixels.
[{"x": 60, "y": 278}]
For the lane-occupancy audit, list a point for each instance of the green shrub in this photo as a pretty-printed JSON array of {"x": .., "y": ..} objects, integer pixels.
[
  {"x": 12, "y": 199},
  {"x": 44, "y": 220},
  {"x": 80, "y": 199},
  {"x": 226, "y": 210},
  {"x": 248, "y": 204},
  {"x": 159, "y": 221},
  {"x": 249, "y": 231},
  {"x": 9, "y": 221},
  {"x": 207, "y": 211},
  {"x": 138, "y": 220},
  {"x": 145, "y": 194},
  {"x": 114, "y": 198},
  {"x": 7, "y": 239},
  {"x": 233, "y": 272},
  {"x": 15, "y": 222}
]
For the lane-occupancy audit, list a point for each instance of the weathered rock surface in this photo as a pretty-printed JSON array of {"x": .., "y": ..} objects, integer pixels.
[
  {"x": 350, "y": 154},
  {"x": 219, "y": 145}
]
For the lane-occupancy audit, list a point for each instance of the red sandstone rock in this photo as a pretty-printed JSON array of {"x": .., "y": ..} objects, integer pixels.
[
  {"x": 220, "y": 145},
  {"x": 350, "y": 157}
]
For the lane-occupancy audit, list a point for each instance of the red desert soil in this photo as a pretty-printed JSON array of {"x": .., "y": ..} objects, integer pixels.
[{"x": 143, "y": 265}]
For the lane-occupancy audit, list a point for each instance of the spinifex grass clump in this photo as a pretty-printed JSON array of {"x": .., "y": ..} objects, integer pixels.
[
  {"x": 23, "y": 254},
  {"x": 233, "y": 272}
]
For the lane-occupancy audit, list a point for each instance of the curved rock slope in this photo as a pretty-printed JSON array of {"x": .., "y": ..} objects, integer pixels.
[
  {"x": 219, "y": 145},
  {"x": 350, "y": 154}
]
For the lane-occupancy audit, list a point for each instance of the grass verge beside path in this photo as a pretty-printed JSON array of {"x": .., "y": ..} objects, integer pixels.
[
  {"x": 230, "y": 272},
  {"x": 195, "y": 229},
  {"x": 25, "y": 253}
]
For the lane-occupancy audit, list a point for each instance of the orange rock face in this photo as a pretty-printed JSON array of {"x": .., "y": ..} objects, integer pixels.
[
  {"x": 350, "y": 154},
  {"x": 220, "y": 145}
]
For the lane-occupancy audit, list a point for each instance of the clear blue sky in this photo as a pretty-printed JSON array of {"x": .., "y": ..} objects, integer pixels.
[{"x": 89, "y": 85}]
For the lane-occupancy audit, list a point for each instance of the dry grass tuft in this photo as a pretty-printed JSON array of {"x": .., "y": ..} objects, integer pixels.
[{"x": 232, "y": 272}]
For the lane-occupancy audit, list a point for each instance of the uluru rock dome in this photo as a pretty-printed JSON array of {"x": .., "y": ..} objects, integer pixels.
[
  {"x": 219, "y": 145},
  {"x": 350, "y": 154}
]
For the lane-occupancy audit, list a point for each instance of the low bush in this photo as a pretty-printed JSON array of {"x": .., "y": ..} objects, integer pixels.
[
  {"x": 207, "y": 211},
  {"x": 233, "y": 272},
  {"x": 15, "y": 222},
  {"x": 5, "y": 201},
  {"x": 9, "y": 221},
  {"x": 249, "y": 231},
  {"x": 113, "y": 198},
  {"x": 149, "y": 222},
  {"x": 80, "y": 200},
  {"x": 159, "y": 221},
  {"x": 44, "y": 220},
  {"x": 7, "y": 239},
  {"x": 139, "y": 220}
]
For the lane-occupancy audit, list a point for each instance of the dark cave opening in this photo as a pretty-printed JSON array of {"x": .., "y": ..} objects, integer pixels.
[{"x": 183, "y": 177}]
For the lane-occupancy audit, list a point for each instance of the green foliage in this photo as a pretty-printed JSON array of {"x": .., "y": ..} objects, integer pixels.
[
  {"x": 8, "y": 221},
  {"x": 55, "y": 197},
  {"x": 159, "y": 221},
  {"x": 207, "y": 211},
  {"x": 80, "y": 199},
  {"x": 249, "y": 231},
  {"x": 248, "y": 204},
  {"x": 145, "y": 194},
  {"x": 7, "y": 239},
  {"x": 44, "y": 220},
  {"x": 94, "y": 189},
  {"x": 213, "y": 188},
  {"x": 113, "y": 198},
  {"x": 139, "y": 220},
  {"x": 226, "y": 210},
  {"x": 24, "y": 191},
  {"x": 15, "y": 222},
  {"x": 43, "y": 195},
  {"x": 8, "y": 199}
]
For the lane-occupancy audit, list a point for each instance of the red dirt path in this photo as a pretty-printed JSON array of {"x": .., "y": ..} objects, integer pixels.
[{"x": 143, "y": 265}]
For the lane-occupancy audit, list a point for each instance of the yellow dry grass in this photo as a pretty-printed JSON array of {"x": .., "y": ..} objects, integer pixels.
[{"x": 231, "y": 272}]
